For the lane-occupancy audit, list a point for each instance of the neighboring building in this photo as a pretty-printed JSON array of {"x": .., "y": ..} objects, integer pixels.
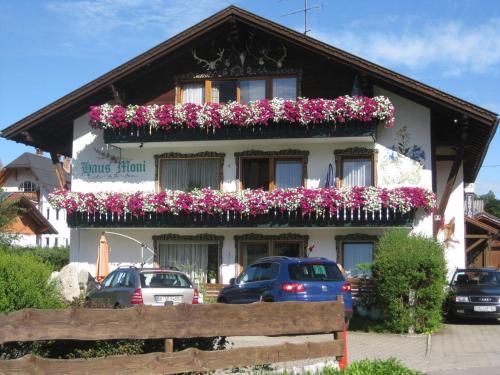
[
  {"x": 33, "y": 176},
  {"x": 437, "y": 143},
  {"x": 29, "y": 226},
  {"x": 482, "y": 238}
]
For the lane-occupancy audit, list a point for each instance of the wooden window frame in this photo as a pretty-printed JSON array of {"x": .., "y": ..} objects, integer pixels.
[
  {"x": 270, "y": 240},
  {"x": 204, "y": 238},
  {"x": 273, "y": 156},
  {"x": 355, "y": 153},
  {"x": 179, "y": 156},
  {"x": 354, "y": 238},
  {"x": 208, "y": 85}
]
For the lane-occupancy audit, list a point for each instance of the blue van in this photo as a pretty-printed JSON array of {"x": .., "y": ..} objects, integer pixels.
[{"x": 279, "y": 278}]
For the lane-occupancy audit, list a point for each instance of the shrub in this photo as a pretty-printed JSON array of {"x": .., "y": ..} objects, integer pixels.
[
  {"x": 56, "y": 257},
  {"x": 404, "y": 264},
  {"x": 24, "y": 283}
]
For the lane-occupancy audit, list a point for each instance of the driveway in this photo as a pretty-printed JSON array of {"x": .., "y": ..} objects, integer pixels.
[{"x": 471, "y": 348}]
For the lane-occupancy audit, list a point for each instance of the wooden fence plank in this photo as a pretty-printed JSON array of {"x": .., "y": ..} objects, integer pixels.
[
  {"x": 170, "y": 363},
  {"x": 181, "y": 321}
]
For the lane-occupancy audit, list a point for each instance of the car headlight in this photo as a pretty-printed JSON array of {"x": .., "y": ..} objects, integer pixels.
[{"x": 461, "y": 299}]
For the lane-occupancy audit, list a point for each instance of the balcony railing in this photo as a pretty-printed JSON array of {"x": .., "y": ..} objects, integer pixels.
[
  {"x": 144, "y": 134},
  {"x": 342, "y": 218}
]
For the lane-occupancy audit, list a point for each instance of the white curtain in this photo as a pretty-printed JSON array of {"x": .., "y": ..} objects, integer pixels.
[
  {"x": 193, "y": 93},
  {"x": 252, "y": 90},
  {"x": 288, "y": 174},
  {"x": 187, "y": 174},
  {"x": 190, "y": 258},
  {"x": 357, "y": 172},
  {"x": 355, "y": 253},
  {"x": 285, "y": 88}
]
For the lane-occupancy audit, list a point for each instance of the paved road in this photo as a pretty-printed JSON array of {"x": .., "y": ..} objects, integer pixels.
[
  {"x": 456, "y": 346},
  {"x": 472, "y": 348}
]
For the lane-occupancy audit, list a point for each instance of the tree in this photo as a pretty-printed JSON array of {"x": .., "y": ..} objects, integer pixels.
[
  {"x": 491, "y": 204},
  {"x": 8, "y": 211}
]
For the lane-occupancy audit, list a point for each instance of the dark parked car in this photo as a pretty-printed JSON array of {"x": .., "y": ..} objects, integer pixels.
[
  {"x": 475, "y": 293},
  {"x": 128, "y": 286},
  {"x": 278, "y": 279}
]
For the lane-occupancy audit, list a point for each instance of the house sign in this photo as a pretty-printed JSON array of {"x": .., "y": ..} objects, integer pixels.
[{"x": 121, "y": 169}]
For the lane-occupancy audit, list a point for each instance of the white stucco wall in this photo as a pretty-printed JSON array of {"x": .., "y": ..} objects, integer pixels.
[
  {"x": 455, "y": 255},
  {"x": 404, "y": 159},
  {"x": 63, "y": 234}
]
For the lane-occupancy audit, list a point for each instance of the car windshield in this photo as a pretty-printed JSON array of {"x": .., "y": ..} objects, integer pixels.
[
  {"x": 476, "y": 277},
  {"x": 315, "y": 272},
  {"x": 164, "y": 280}
]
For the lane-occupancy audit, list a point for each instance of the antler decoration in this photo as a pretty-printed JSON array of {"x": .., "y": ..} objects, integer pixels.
[
  {"x": 279, "y": 61},
  {"x": 209, "y": 65}
]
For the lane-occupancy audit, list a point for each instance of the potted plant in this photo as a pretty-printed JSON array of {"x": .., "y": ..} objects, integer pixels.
[{"x": 212, "y": 276}]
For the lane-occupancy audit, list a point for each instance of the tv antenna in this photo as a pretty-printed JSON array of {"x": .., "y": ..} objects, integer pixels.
[{"x": 306, "y": 10}]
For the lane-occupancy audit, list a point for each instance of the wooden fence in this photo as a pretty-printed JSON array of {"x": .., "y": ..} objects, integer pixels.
[{"x": 182, "y": 321}]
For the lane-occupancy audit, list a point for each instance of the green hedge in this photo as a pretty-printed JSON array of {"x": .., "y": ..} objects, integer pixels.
[
  {"x": 24, "y": 283},
  {"x": 56, "y": 257},
  {"x": 405, "y": 263}
]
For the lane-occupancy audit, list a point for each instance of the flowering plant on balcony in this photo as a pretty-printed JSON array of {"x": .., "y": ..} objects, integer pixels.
[
  {"x": 211, "y": 116},
  {"x": 246, "y": 202}
]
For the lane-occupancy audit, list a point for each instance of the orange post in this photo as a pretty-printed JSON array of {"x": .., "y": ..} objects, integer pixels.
[{"x": 343, "y": 361}]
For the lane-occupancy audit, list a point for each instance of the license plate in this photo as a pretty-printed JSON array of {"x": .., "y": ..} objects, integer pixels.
[
  {"x": 485, "y": 308},
  {"x": 163, "y": 299}
]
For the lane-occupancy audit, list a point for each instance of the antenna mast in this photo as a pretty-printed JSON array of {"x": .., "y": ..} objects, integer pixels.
[{"x": 305, "y": 11}]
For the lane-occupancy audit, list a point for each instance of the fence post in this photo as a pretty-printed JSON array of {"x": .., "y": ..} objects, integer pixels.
[{"x": 169, "y": 345}]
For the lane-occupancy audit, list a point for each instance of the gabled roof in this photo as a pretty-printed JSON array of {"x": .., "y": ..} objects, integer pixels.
[
  {"x": 41, "y": 167},
  {"x": 29, "y": 211},
  {"x": 77, "y": 102}
]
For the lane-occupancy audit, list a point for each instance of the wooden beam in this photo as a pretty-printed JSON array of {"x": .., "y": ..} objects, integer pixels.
[
  {"x": 59, "y": 170},
  {"x": 475, "y": 244},
  {"x": 455, "y": 167},
  {"x": 189, "y": 360},
  {"x": 485, "y": 236},
  {"x": 181, "y": 321},
  {"x": 117, "y": 95}
]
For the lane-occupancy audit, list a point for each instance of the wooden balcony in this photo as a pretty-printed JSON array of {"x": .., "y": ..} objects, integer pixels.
[
  {"x": 386, "y": 217},
  {"x": 141, "y": 134}
]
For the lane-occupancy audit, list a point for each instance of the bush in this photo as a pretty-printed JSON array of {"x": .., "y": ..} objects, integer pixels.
[
  {"x": 24, "y": 283},
  {"x": 56, "y": 257},
  {"x": 405, "y": 263}
]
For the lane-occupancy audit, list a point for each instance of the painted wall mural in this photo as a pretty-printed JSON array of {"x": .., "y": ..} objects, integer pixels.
[{"x": 403, "y": 163}]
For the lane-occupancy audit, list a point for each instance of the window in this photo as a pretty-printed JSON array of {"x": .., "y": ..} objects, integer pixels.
[
  {"x": 164, "y": 280},
  {"x": 259, "y": 272},
  {"x": 47, "y": 243},
  {"x": 28, "y": 186},
  {"x": 107, "y": 281},
  {"x": 199, "y": 256},
  {"x": 187, "y": 172},
  {"x": 253, "y": 247},
  {"x": 272, "y": 171},
  {"x": 241, "y": 90},
  {"x": 193, "y": 93},
  {"x": 356, "y": 167},
  {"x": 285, "y": 88},
  {"x": 48, "y": 213},
  {"x": 252, "y": 90},
  {"x": 354, "y": 254},
  {"x": 57, "y": 214},
  {"x": 314, "y": 272},
  {"x": 56, "y": 242},
  {"x": 356, "y": 172}
]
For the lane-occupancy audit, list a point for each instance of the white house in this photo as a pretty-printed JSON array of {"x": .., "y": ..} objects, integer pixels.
[
  {"x": 124, "y": 157},
  {"x": 34, "y": 176}
]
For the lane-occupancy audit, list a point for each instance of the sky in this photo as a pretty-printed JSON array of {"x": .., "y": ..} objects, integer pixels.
[{"x": 50, "y": 47}]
